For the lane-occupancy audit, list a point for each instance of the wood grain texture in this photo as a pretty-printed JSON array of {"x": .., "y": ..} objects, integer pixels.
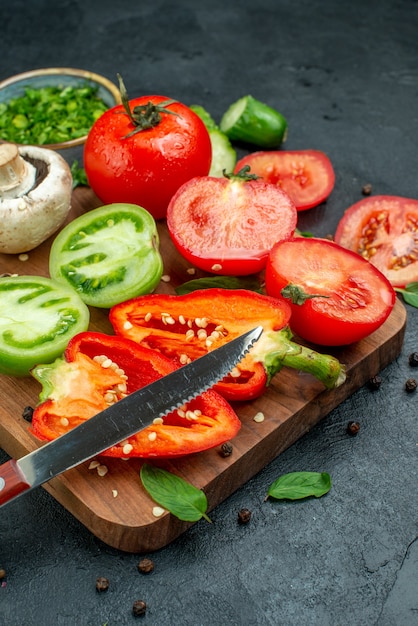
[{"x": 115, "y": 507}]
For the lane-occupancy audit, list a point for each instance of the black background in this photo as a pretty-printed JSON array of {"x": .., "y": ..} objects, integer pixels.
[{"x": 345, "y": 75}]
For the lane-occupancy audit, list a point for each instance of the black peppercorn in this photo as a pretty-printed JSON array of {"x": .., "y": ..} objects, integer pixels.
[
  {"x": 353, "y": 428},
  {"x": 139, "y": 608},
  {"x": 2, "y": 574},
  {"x": 410, "y": 385},
  {"x": 244, "y": 516},
  {"x": 374, "y": 383},
  {"x": 366, "y": 189},
  {"x": 413, "y": 359},
  {"x": 27, "y": 413},
  {"x": 102, "y": 584},
  {"x": 145, "y": 566},
  {"x": 226, "y": 449}
]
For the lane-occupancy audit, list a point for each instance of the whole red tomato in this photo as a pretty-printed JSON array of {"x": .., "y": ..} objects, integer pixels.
[{"x": 142, "y": 151}]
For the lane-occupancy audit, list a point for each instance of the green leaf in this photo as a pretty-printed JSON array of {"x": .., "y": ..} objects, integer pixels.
[
  {"x": 299, "y": 485},
  {"x": 174, "y": 494},
  {"x": 221, "y": 282},
  {"x": 409, "y": 293},
  {"x": 79, "y": 175},
  {"x": 303, "y": 233}
]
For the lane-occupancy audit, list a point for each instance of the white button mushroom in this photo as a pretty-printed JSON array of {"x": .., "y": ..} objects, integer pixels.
[{"x": 35, "y": 196}]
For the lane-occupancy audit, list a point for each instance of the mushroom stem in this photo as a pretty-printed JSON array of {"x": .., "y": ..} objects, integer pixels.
[{"x": 17, "y": 176}]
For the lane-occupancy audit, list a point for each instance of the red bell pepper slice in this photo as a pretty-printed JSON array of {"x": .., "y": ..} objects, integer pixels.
[
  {"x": 80, "y": 385},
  {"x": 185, "y": 327}
]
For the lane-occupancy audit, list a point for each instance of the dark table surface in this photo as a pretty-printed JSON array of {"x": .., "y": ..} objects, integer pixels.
[{"x": 345, "y": 75}]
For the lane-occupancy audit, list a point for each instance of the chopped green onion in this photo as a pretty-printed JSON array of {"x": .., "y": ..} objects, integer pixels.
[{"x": 50, "y": 114}]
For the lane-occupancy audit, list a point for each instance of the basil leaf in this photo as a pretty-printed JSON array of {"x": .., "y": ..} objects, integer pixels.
[
  {"x": 221, "y": 282},
  {"x": 299, "y": 485},
  {"x": 409, "y": 293},
  {"x": 174, "y": 494}
]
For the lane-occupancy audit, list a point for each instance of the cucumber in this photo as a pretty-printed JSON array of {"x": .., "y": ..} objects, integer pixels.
[
  {"x": 250, "y": 121},
  {"x": 224, "y": 156},
  {"x": 206, "y": 117}
]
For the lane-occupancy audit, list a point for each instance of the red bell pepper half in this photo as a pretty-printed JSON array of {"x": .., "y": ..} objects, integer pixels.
[
  {"x": 187, "y": 326},
  {"x": 98, "y": 370}
]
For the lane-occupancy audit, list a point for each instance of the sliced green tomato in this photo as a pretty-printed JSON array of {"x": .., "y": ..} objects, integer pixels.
[
  {"x": 38, "y": 317},
  {"x": 251, "y": 121},
  {"x": 108, "y": 255}
]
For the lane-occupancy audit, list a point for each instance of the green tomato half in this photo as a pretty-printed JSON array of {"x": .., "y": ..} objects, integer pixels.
[
  {"x": 38, "y": 317},
  {"x": 108, "y": 255}
]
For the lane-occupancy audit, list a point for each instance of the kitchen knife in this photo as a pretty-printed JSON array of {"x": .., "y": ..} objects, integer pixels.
[{"x": 123, "y": 419}]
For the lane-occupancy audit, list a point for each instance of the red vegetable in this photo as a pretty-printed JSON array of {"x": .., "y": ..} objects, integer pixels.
[
  {"x": 78, "y": 387},
  {"x": 307, "y": 176},
  {"x": 228, "y": 225},
  {"x": 188, "y": 326},
  {"x": 141, "y": 152},
  {"x": 336, "y": 296},
  {"x": 384, "y": 230}
]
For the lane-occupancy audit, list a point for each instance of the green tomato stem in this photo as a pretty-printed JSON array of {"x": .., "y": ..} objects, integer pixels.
[{"x": 275, "y": 349}]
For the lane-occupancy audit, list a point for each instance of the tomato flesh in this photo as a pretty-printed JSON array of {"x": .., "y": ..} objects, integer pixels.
[
  {"x": 352, "y": 297},
  {"x": 227, "y": 226},
  {"x": 146, "y": 168},
  {"x": 384, "y": 230},
  {"x": 307, "y": 176}
]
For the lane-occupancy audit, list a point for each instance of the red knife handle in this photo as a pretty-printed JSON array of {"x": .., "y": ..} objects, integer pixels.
[{"x": 12, "y": 481}]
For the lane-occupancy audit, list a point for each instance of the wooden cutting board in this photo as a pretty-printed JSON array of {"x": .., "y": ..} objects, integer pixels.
[{"x": 115, "y": 507}]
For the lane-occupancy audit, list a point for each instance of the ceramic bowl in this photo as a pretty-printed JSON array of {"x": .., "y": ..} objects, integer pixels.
[{"x": 14, "y": 87}]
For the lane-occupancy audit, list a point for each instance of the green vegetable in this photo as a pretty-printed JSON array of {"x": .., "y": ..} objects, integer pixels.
[
  {"x": 108, "y": 255},
  {"x": 79, "y": 175},
  {"x": 174, "y": 494},
  {"x": 409, "y": 293},
  {"x": 206, "y": 117},
  {"x": 299, "y": 485},
  {"x": 223, "y": 282},
  {"x": 50, "y": 115},
  {"x": 224, "y": 157},
  {"x": 38, "y": 317},
  {"x": 250, "y": 121}
]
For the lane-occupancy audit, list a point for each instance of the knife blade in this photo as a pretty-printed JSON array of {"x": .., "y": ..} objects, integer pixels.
[{"x": 123, "y": 419}]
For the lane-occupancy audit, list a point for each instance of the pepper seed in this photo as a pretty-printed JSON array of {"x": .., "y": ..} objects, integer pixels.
[
  {"x": 145, "y": 566},
  {"x": 102, "y": 584},
  {"x": 353, "y": 428},
  {"x": 139, "y": 608},
  {"x": 413, "y": 359},
  {"x": 410, "y": 385},
  {"x": 244, "y": 516}
]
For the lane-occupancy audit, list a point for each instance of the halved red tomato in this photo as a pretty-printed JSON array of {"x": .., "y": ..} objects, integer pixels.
[
  {"x": 384, "y": 230},
  {"x": 307, "y": 176},
  {"x": 228, "y": 225},
  {"x": 336, "y": 296}
]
